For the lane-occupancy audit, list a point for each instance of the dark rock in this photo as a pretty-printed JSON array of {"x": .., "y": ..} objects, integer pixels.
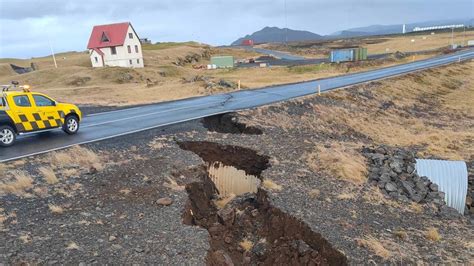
[
  {"x": 227, "y": 216},
  {"x": 164, "y": 201},
  {"x": 390, "y": 187},
  {"x": 220, "y": 257},
  {"x": 434, "y": 187},
  {"x": 397, "y": 166},
  {"x": 259, "y": 249},
  {"x": 385, "y": 177}
]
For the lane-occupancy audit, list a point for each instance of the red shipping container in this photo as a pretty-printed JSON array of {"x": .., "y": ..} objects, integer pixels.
[{"x": 247, "y": 42}]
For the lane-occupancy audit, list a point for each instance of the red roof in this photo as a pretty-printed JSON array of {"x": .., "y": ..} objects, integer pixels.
[{"x": 114, "y": 33}]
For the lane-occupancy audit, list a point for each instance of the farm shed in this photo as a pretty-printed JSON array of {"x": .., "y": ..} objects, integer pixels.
[{"x": 225, "y": 61}]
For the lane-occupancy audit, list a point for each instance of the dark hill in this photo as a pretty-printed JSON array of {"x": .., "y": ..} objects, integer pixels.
[{"x": 274, "y": 34}]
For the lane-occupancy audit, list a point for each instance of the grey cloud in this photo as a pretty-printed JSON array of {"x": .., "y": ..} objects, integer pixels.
[{"x": 24, "y": 24}]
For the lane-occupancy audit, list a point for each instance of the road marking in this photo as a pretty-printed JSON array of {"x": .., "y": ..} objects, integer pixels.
[{"x": 115, "y": 111}]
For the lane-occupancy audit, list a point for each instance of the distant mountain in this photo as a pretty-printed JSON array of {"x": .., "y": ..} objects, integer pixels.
[
  {"x": 275, "y": 34},
  {"x": 396, "y": 28}
]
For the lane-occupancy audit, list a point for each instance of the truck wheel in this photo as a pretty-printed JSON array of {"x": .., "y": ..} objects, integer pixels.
[
  {"x": 71, "y": 125},
  {"x": 7, "y": 136}
]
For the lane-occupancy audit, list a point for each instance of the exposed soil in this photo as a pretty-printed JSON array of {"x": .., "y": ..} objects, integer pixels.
[
  {"x": 249, "y": 230},
  {"x": 229, "y": 123}
]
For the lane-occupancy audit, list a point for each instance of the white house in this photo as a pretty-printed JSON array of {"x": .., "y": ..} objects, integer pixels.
[{"x": 115, "y": 45}]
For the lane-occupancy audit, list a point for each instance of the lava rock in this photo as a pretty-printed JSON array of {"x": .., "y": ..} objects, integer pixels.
[{"x": 164, "y": 201}]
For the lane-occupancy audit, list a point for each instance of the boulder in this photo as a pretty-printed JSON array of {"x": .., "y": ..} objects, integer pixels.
[{"x": 390, "y": 187}]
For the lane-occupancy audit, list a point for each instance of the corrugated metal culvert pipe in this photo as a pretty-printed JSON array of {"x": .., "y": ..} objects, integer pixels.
[{"x": 451, "y": 178}]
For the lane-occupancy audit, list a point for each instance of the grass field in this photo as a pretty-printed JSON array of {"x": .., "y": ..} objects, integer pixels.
[
  {"x": 379, "y": 44},
  {"x": 162, "y": 79}
]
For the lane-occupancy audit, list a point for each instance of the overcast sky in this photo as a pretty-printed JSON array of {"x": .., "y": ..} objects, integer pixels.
[{"x": 26, "y": 25}]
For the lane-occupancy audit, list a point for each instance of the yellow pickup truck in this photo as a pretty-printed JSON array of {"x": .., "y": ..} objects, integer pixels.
[{"x": 23, "y": 111}]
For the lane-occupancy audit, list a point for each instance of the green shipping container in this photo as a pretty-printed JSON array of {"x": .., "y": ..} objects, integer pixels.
[
  {"x": 360, "y": 54},
  {"x": 226, "y": 61}
]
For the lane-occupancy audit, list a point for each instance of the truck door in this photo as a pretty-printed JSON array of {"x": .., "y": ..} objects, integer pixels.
[
  {"x": 22, "y": 114},
  {"x": 46, "y": 108}
]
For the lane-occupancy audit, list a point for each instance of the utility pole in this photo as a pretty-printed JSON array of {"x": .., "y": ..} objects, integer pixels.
[
  {"x": 286, "y": 26},
  {"x": 452, "y": 37},
  {"x": 52, "y": 53},
  {"x": 464, "y": 36}
]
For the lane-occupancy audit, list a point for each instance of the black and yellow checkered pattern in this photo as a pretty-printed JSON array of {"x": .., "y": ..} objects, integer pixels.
[{"x": 34, "y": 121}]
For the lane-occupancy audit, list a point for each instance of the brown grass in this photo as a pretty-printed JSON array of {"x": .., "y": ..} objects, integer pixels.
[
  {"x": 416, "y": 207},
  {"x": 345, "y": 196},
  {"x": 55, "y": 209},
  {"x": 432, "y": 234},
  {"x": 271, "y": 185},
  {"x": 375, "y": 246},
  {"x": 222, "y": 202},
  {"x": 314, "y": 193},
  {"x": 401, "y": 234},
  {"x": 374, "y": 196},
  {"x": 72, "y": 246},
  {"x": 21, "y": 182},
  {"x": 246, "y": 244},
  {"x": 339, "y": 161},
  {"x": 25, "y": 239},
  {"x": 76, "y": 156},
  {"x": 48, "y": 175},
  {"x": 173, "y": 185}
]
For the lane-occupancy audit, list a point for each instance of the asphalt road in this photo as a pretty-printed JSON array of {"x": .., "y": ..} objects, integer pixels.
[{"x": 106, "y": 125}]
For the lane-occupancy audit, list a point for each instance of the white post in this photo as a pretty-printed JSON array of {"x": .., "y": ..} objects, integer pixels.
[
  {"x": 238, "y": 85},
  {"x": 452, "y": 37},
  {"x": 52, "y": 52},
  {"x": 319, "y": 89}
]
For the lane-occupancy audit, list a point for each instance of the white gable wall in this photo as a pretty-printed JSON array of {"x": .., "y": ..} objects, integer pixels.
[
  {"x": 123, "y": 58},
  {"x": 96, "y": 59}
]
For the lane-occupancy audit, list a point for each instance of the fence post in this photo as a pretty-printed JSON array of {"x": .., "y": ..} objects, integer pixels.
[
  {"x": 238, "y": 85},
  {"x": 319, "y": 89}
]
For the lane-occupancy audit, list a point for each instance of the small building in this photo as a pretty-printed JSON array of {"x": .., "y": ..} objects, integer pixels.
[
  {"x": 345, "y": 55},
  {"x": 115, "y": 45},
  {"x": 145, "y": 41},
  {"x": 247, "y": 42},
  {"x": 225, "y": 61}
]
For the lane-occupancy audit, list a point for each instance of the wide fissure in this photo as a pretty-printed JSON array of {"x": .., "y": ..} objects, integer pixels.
[
  {"x": 244, "y": 227},
  {"x": 229, "y": 123}
]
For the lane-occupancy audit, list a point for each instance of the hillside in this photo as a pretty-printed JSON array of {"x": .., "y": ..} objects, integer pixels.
[{"x": 278, "y": 35}]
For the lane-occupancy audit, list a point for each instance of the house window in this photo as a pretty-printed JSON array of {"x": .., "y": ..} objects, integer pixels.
[
  {"x": 130, "y": 61},
  {"x": 104, "y": 38},
  {"x": 96, "y": 59},
  {"x": 129, "y": 49},
  {"x": 113, "y": 50},
  {"x": 136, "y": 48},
  {"x": 130, "y": 35},
  {"x": 138, "y": 61}
]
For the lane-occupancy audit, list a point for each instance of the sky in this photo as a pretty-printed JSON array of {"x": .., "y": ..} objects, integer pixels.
[{"x": 27, "y": 27}]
